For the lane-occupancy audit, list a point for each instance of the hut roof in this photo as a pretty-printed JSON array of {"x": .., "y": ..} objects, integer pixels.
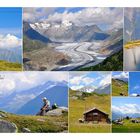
[{"x": 93, "y": 110}]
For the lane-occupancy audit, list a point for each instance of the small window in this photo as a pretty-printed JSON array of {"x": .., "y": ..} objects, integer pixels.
[{"x": 95, "y": 114}]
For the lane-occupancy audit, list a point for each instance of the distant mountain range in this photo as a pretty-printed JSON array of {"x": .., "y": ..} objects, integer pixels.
[
  {"x": 56, "y": 94},
  {"x": 123, "y": 80},
  {"x": 100, "y": 90},
  {"x": 33, "y": 34},
  {"x": 117, "y": 115},
  {"x": 30, "y": 101},
  {"x": 64, "y": 31},
  {"x": 11, "y": 54}
]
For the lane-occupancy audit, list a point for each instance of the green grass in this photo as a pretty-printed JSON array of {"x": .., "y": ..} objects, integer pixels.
[
  {"x": 77, "y": 107},
  {"x": 112, "y": 63},
  {"x": 9, "y": 66},
  {"x": 119, "y": 87},
  {"x": 127, "y": 127},
  {"x": 132, "y": 44},
  {"x": 49, "y": 123},
  {"x": 31, "y": 45}
]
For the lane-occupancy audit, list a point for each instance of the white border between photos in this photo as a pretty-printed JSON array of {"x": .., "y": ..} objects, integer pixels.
[
  {"x": 70, "y": 136},
  {"x": 70, "y": 3}
]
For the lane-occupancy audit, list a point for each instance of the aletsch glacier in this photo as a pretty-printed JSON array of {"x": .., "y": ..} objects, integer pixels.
[{"x": 85, "y": 45}]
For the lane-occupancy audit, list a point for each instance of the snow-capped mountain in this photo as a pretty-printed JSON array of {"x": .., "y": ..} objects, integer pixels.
[
  {"x": 66, "y": 31},
  {"x": 100, "y": 90},
  {"x": 32, "y": 34},
  {"x": 16, "y": 100},
  {"x": 57, "y": 94},
  {"x": 118, "y": 115},
  {"x": 88, "y": 89},
  {"x": 103, "y": 89}
]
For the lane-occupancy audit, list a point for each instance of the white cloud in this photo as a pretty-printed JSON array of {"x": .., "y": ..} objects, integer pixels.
[
  {"x": 76, "y": 80},
  {"x": 121, "y": 75},
  {"x": 87, "y": 80},
  {"x": 136, "y": 87},
  {"x": 112, "y": 17},
  {"x": 82, "y": 79},
  {"x": 18, "y": 81},
  {"x": 9, "y": 41},
  {"x": 77, "y": 87},
  {"x": 126, "y": 109},
  {"x": 7, "y": 86},
  {"x": 106, "y": 80},
  {"x": 35, "y": 14},
  {"x": 79, "y": 80}
]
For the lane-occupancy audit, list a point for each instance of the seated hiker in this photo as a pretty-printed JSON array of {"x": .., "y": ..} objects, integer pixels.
[
  {"x": 54, "y": 106},
  {"x": 46, "y": 106}
]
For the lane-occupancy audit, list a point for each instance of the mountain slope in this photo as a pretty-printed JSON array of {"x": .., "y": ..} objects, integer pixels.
[
  {"x": 9, "y": 66},
  {"x": 119, "y": 87},
  {"x": 17, "y": 99},
  {"x": 32, "y": 34},
  {"x": 69, "y": 32},
  {"x": 112, "y": 63},
  {"x": 11, "y": 54},
  {"x": 57, "y": 94},
  {"x": 100, "y": 90},
  {"x": 38, "y": 124},
  {"x": 103, "y": 90}
]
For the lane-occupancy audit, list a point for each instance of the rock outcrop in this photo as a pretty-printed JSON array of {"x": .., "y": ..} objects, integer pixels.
[
  {"x": 57, "y": 112},
  {"x": 7, "y": 127},
  {"x": 2, "y": 115}
]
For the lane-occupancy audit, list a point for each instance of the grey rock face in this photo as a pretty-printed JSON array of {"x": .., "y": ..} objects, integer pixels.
[
  {"x": 7, "y": 127},
  {"x": 2, "y": 115},
  {"x": 57, "y": 112}
]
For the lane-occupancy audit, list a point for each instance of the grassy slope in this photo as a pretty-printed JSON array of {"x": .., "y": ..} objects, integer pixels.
[
  {"x": 9, "y": 66},
  {"x": 49, "y": 124},
  {"x": 132, "y": 44},
  {"x": 117, "y": 89},
  {"x": 112, "y": 63},
  {"x": 77, "y": 107},
  {"x": 127, "y": 127},
  {"x": 31, "y": 45}
]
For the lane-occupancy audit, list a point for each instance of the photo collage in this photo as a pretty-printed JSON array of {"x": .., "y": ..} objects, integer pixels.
[{"x": 69, "y": 70}]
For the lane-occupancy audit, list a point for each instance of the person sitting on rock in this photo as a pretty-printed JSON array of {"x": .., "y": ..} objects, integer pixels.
[{"x": 46, "y": 106}]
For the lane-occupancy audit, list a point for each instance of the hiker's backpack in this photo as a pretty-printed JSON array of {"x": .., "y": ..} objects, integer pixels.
[{"x": 54, "y": 106}]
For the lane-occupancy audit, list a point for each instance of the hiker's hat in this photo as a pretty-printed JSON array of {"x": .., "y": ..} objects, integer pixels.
[{"x": 44, "y": 98}]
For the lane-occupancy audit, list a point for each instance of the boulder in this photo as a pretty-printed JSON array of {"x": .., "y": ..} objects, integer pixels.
[
  {"x": 26, "y": 130},
  {"x": 74, "y": 97},
  {"x": 7, "y": 127},
  {"x": 57, "y": 112},
  {"x": 2, "y": 115}
]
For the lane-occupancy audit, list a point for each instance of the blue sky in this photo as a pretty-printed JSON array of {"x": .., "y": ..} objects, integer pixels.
[
  {"x": 73, "y": 10},
  {"x": 119, "y": 101},
  {"x": 21, "y": 87},
  {"x": 134, "y": 82},
  {"x": 123, "y": 105},
  {"x": 11, "y": 21},
  {"x": 95, "y": 79},
  {"x": 105, "y": 18},
  {"x": 120, "y": 75},
  {"x": 20, "y": 81}
]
